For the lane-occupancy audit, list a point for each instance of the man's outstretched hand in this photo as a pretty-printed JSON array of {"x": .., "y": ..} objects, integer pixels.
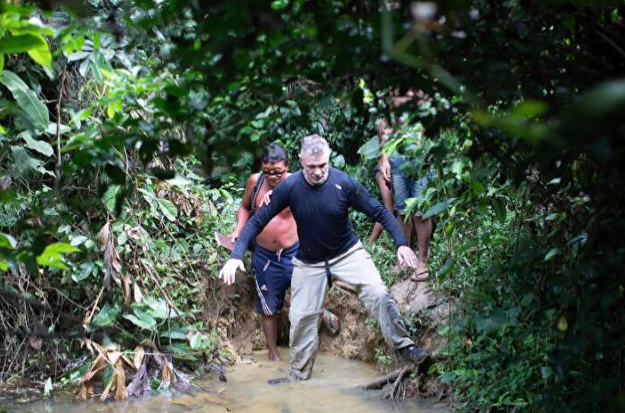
[
  {"x": 230, "y": 268},
  {"x": 405, "y": 256}
]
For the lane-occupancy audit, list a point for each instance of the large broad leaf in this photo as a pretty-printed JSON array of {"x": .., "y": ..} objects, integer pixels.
[
  {"x": 52, "y": 255},
  {"x": 168, "y": 209},
  {"x": 107, "y": 315},
  {"x": 42, "y": 147},
  {"x": 438, "y": 208},
  {"x": 22, "y": 161},
  {"x": 34, "y": 108},
  {"x": 158, "y": 308},
  {"x": 7, "y": 241},
  {"x": 21, "y": 43},
  {"x": 42, "y": 56},
  {"x": 371, "y": 149},
  {"x": 110, "y": 197},
  {"x": 176, "y": 332},
  {"x": 141, "y": 319}
]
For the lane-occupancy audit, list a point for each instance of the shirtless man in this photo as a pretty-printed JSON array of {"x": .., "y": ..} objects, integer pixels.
[{"x": 274, "y": 248}]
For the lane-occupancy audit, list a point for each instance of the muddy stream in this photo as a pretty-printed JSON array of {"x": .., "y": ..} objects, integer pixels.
[{"x": 333, "y": 389}]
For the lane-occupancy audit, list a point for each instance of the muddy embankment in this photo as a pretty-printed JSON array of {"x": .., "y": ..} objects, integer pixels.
[{"x": 230, "y": 311}]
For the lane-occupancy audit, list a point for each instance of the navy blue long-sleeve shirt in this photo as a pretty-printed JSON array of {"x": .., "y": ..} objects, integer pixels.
[{"x": 321, "y": 215}]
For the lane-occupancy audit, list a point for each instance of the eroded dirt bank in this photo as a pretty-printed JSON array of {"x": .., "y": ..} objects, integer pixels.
[{"x": 230, "y": 310}]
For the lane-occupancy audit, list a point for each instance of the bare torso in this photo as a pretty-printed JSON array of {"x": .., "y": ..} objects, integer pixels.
[{"x": 281, "y": 231}]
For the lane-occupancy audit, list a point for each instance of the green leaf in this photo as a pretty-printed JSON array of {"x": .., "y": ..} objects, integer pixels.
[
  {"x": 51, "y": 129},
  {"x": 141, "y": 319},
  {"x": 7, "y": 241},
  {"x": 53, "y": 255},
  {"x": 22, "y": 161},
  {"x": 491, "y": 323},
  {"x": 110, "y": 197},
  {"x": 76, "y": 241},
  {"x": 86, "y": 269},
  {"x": 107, "y": 315},
  {"x": 77, "y": 56},
  {"x": 158, "y": 308},
  {"x": 21, "y": 43},
  {"x": 177, "y": 332},
  {"x": 42, "y": 56},
  {"x": 370, "y": 149},
  {"x": 438, "y": 208},
  {"x": 448, "y": 266},
  {"x": 200, "y": 341},
  {"x": 168, "y": 209},
  {"x": 552, "y": 253},
  {"x": 530, "y": 109},
  {"x": 27, "y": 100},
  {"x": 42, "y": 147}
]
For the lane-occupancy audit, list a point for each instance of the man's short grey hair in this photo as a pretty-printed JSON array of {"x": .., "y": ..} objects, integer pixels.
[{"x": 314, "y": 145}]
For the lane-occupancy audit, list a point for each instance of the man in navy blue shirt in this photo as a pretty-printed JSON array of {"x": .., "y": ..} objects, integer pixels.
[{"x": 319, "y": 198}]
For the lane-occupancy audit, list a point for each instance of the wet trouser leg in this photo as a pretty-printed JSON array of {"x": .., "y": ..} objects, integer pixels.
[
  {"x": 358, "y": 270},
  {"x": 308, "y": 286}
]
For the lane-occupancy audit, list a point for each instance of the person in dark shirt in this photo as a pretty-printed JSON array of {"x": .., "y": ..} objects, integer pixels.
[{"x": 319, "y": 198}]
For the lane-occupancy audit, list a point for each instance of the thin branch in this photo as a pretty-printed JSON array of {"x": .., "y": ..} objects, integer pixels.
[{"x": 58, "y": 130}]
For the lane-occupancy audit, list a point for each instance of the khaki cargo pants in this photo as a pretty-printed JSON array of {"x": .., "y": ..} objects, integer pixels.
[{"x": 308, "y": 287}]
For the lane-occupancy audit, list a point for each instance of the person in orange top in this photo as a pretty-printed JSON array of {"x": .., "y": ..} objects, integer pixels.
[{"x": 274, "y": 248}]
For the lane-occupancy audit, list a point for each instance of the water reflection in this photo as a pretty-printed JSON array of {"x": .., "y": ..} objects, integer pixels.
[{"x": 333, "y": 388}]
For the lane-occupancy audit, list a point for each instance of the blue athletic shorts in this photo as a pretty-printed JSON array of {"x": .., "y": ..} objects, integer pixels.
[
  {"x": 407, "y": 185},
  {"x": 272, "y": 271}
]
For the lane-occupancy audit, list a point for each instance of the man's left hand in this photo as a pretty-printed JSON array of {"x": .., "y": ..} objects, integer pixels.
[
  {"x": 267, "y": 198},
  {"x": 407, "y": 257}
]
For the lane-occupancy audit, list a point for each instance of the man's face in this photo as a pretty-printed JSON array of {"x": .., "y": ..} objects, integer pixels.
[
  {"x": 315, "y": 167},
  {"x": 274, "y": 172}
]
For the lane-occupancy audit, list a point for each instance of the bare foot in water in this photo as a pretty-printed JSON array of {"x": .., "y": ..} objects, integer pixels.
[{"x": 274, "y": 356}]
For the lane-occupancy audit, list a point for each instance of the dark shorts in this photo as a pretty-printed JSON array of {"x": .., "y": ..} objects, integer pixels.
[{"x": 273, "y": 271}]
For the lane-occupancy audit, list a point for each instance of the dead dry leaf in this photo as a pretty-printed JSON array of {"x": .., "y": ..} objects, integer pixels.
[
  {"x": 85, "y": 391},
  {"x": 138, "y": 296},
  {"x": 139, "y": 354},
  {"x": 113, "y": 356},
  {"x": 126, "y": 283},
  {"x": 117, "y": 384},
  {"x": 103, "y": 235}
]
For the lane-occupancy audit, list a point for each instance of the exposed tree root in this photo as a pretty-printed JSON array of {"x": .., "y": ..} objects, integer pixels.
[
  {"x": 394, "y": 385},
  {"x": 382, "y": 381}
]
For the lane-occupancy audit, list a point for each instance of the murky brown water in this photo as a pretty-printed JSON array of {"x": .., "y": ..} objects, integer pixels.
[{"x": 333, "y": 389}]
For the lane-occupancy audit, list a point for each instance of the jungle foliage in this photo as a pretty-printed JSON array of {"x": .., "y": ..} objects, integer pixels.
[{"x": 127, "y": 125}]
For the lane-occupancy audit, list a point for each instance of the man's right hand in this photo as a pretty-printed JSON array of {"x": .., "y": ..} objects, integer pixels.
[{"x": 229, "y": 270}]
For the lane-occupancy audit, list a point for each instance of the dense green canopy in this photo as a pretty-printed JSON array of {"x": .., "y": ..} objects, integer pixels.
[{"x": 128, "y": 127}]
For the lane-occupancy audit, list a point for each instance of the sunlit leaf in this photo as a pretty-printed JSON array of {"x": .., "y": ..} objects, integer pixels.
[
  {"x": 7, "y": 241},
  {"x": 21, "y": 43},
  {"x": 53, "y": 255},
  {"x": 34, "y": 108}
]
